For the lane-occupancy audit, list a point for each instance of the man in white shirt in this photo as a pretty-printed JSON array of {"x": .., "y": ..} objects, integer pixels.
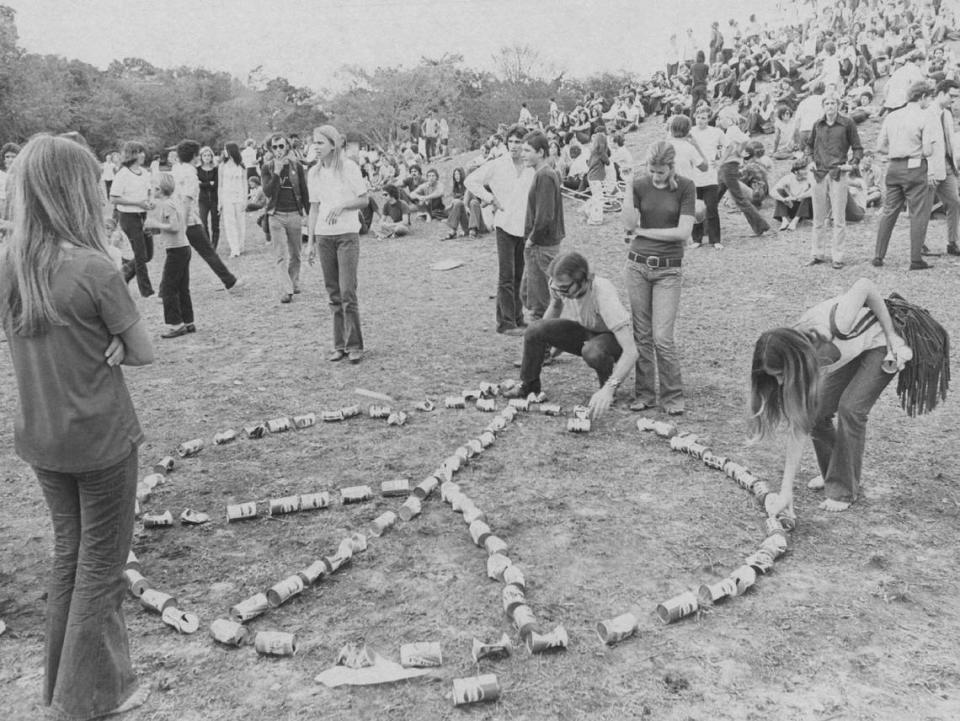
[
  {"x": 901, "y": 79},
  {"x": 508, "y": 179},
  {"x": 249, "y": 157},
  {"x": 942, "y": 163}
]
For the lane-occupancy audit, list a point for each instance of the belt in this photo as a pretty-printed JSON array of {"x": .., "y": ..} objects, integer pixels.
[
  {"x": 906, "y": 159},
  {"x": 654, "y": 261}
]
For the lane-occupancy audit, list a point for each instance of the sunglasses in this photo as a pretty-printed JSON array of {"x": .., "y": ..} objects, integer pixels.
[{"x": 279, "y": 146}]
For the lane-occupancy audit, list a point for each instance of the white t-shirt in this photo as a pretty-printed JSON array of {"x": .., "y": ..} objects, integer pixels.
[
  {"x": 249, "y": 157},
  {"x": 188, "y": 188},
  {"x": 710, "y": 140},
  {"x": 600, "y": 309},
  {"x": 133, "y": 186},
  {"x": 687, "y": 158},
  {"x": 326, "y": 187}
]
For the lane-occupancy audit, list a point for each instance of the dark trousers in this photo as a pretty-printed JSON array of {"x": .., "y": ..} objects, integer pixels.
[
  {"x": 698, "y": 94},
  {"x": 197, "y": 237},
  {"x": 175, "y": 287},
  {"x": 509, "y": 275},
  {"x": 210, "y": 218},
  {"x": 847, "y": 394},
  {"x": 788, "y": 210},
  {"x": 710, "y": 195},
  {"x": 142, "y": 245},
  {"x": 729, "y": 176},
  {"x": 905, "y": 186},
  {"x": 600, "y": 350}
]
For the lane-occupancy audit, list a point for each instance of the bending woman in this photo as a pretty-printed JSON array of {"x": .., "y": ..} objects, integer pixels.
[
  {"x": 804, "y": 376},
  {"x": 70, "y": 322}
]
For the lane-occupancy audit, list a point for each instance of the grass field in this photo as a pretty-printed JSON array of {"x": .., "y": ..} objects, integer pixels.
[{"x": 859, "y": 620}]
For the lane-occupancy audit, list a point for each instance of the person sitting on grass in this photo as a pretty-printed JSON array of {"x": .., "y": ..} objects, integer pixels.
[
  {"x": 464, "y": 211},
  {"x": 792, "y": 194},
  {"x": 428, "y": 198},
  {"x": 597, "y": 327},
  {"x": 394, "y": 215},
  {"x": 823, "y": 367}
]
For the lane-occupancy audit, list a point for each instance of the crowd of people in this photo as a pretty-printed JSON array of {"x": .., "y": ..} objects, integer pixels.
[{"x": 77, "y": 231}]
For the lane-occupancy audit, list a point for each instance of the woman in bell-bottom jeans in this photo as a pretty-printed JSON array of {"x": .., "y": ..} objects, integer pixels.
[{"x": 68, "y": 329}]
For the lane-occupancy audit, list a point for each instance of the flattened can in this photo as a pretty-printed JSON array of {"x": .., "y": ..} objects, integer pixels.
[
  {"x": 313, "y": 573},
  {"x": 398, "y": 487},
  {"x": 287, "y": 504},
  {"x": 410, "y": 508},
  {"x": 581, "y": 412},
  {"x": 496, "y": 565},
  {"x": 514, "y": 576},
  {"x": 152, "y": 480},
  {"x": 334, "y": 563},
  {"x": 278, "y": 425},
  {"x": 379, "y": 525},
  {"x": 225, "y": 437},
  {"x": 427, "y": 486},
  {"x": 775, "y": 545},
  {"x": 331, "y": 416},
  {"x": 397, "y": 418},
  {"x": 275, "y": 643},
  {"x": 305, "y": 420},
  {"x": 495, "y": 544},
  {"x": 281, "y": 592},
  {"x": 136, "y": 583},
  {"x": 614, "y": 630},
  {"x": 454, "y": 402},
  {"x": 164, "y": 465},
  {"x": 356, "y": 494},
  {"x": 427, "y": 654},
  {"x": 509, "y": 413},
  {"x": 228, "y": 632},
  {"x": 551, "y": 409},
  {"x": 190, "y": 448},
  {"x": 183, "y": 621},
  {"x": 358, "y": 541},
  {"x": 479, "y": 532},
  {"x": 488, "y": 390},
  {"x": 487, "y": 405},
  {"x": 744, "y": 577},
  {"x": 351, "y": 411},
  {"x": 313, "y": 501},
  {"x": 761, "y": 560},
  {"x": 511, "y": 596},
  {"x": 578, "y": 425},
  {"x": 475, "y": 689},
  {"x": 664, "y": 429},
  {"x": 677, "y": 607},
  {"x": 472, "y": 514},
  {"x": 709, "y": 594},
  {"x": 494, "y": 650},
  {"x": 241, "y": 511},
  {"x": 257, "y": 430},
  {"x": 523, "y": 619},
  {"x": 556, "y": 640},
  {"x": 250, "y": 608},
  {"x": 158, "y": 520},
  {"x": 487, "y": 439},
  {"x": 154, "y": 600},
  {"x": 381, "y": 412}
]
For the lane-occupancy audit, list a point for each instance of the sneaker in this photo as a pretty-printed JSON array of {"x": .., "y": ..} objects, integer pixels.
[
  {"x": 784, "y": 225},
  {"x": 793, "y": 224},
  {"x": 238, "y": 284},
  {"x": 336, "y": 355},
  {"x": 919, "y": 265},
  {"x": 286, "y": 298},
  {"x": 191, "y": 328},
  {"x": 718, "y": 246},
  {"x": 513, "y": 332},
  {"x": 355, "y": 356}
]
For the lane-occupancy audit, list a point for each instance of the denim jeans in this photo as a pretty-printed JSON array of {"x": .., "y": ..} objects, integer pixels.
[
  {"x": 88, "y": 669},
  {"x": 848, "y": 393},
  {"x": 142, "y": 246},
  {"x": 175, "y": 287},
  {"x": 537, "y": 259},
  {"x": 601, "y": 351},
  {"x": 654, "y": 299},
  {"x": 200, "y": 242},
  {"x": 509, "y": 275},
  {"x": 285, "y": 233},
  {"x": 905, "y": 186},
  {"x": 710, "y": 195},
  {"x": 465, "y": 214},
  {"x": 830, "y": 201},
  {"x": 339, "y": 259},
  {"x": 729, "y": 175}
]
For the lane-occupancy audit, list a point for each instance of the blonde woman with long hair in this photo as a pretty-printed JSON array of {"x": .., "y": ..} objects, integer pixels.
[
  {"x": 70, "y": 322},
  {"x": 337, "y": 191},
  {"x": 822, "y": 368}
]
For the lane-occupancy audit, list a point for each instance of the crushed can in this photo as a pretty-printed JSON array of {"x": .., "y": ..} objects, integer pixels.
[
  {"x": 249, "y": 608},
  {"x": 523, "y": 620},
  {"x": 678, "y": 607},
  {"x": 164, "y": 465},
  {"x": 744, "y": 576},
  {"x": 287, "y": 504},
  {"x": 493, "y": 650},
  {"x": 156, "y": 601},
  {"x": 279, "y": 425},
  {"x": 182, "y": 621},
  {"x": 426, "y": 406},
  {"x": 556, "y": 640},
  {"x": 475, "y": 689},
  {"x": 227, "y": 632},
  {"x": 153, "y": 480},
  {"x": 305, "y": 420},
  {"x": 487, "y": 439},
  {"x": 426, "y": 654},
  {"x": 397, "y": 418},
  {"x": 256, "y": 430},
  {"x": 488, "y": 390},
  {"x": 313, "y": 573},
  {"x": 190, "y": 448},
  {"x": 224, "y": 437},
  {"x": 709, "y": 594},
  {"x": 614, "y": 630},
  {"x": 281, "y": 592},
  {"x": 336, "y": 562}
]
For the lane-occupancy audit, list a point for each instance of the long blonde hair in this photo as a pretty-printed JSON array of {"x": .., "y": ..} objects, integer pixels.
[
  {"x": 338, "y": 142},
  {"x": 54, "y": 198}
]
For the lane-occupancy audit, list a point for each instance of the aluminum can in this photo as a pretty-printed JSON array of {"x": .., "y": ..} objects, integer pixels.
[
  {"x": 241, "y": 511},
  {"x": 158, "y": 520},
  {"x": 356, "y": 494},
  {"x": 507, "y": 385},
  {"x": 488, "y": 390},
  {"x": 228, "y": 632},
  {"x": 381, "y": 412},
  {"x": 426, "y": 406},
  {"x": 225, "y": 437},
  {"x": 164, "y": 465},
  {"x": 183, "y": 621},
  {"x": 397, "y": 418},
  {"x": 463, "y": 453},
  {"x": 664, "y": 429},
  {"x": 287, "y": 504},
  {"x": 398, "y": 487},
  {"x": 775, "y": 545},
  {"x": 475, "y": 689},
  {"x": 313, "y": 501},
  {"x": 774, "y": 526},
  {"x": 358, "y": 541},
  {"x": 678, "y": 607},
  {"x": 709, "y": 594},
  {"x": 410, "y": 508},
  {"x": 551, "y": 409},
  {"x": 509, "y": 413},
  {"x": 514, "y": 576},
  {"x": 152, "y": 480},
  {"x": 523, "y": 620},
  {"x": 479, "y": 532},
  {"x": 761, "y": 560},
  {"x": 275, "y": 643},
  {"x": 511, "y": 596},
  {"x": 279, "y": 425},
  {"x": 336, "y": 562},
  {"x": 494, "y": 545},
  {"x": 313, "y": 573},
  {"x": 454, "y": 402},
  {"x": 581, "y": 412},
  {"x": 556, "y": 640},
  {"x": 487, "y": 405},
  {"x": 521, "y": 404},
  {"x": 497, "y": 424},
  {"x": 133, "y": 562},
  {"x": 448, "y": 490},
  {"x": 257, "y": 430},
  {"x": 578, "y": 425},
  {"x": 351, "y": 411},
  {"x": 426, "y": 487},
  {"x": 305, "y": 420},
  {"x": 494, "y": 650},
  {"x": 471, "y": 394},
  {"x": 614, "y": 630},
  {"x": 331, "y": 416},
  {"x": 382, "y": 523},
  {"x": 281, "y": 592},
  {"x": 190, "y": 448},
  {"x": 250, "y": 608},
  {"x": 744, "y": 576},
  {"x": 697, "y": 450},
  {"x": 136, "y": 583},
  {"x": 454, "y": 462},
  {"x": 732, "y": 468},
  {"x": 645, "y": 424},
  {"x": 426, "y": 654},
  {"x": 496, "y": 565},
  {"x": 487, "y": 439},
  {"x": 472, "y": 514},
  {"x": 154, "y": 600}
]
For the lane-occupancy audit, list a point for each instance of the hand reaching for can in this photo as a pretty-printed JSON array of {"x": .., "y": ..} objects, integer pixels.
[{"x": 776, "y": 503}]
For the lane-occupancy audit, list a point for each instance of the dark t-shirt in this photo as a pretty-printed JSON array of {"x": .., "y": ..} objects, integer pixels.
[
  {"x": 698, "y": 73},
  {"x": 75, "y": 414},
  {"x": 394, "y": 210},
  {"x": 661, "y": 208},
  {"x": 286, "y": 200}
]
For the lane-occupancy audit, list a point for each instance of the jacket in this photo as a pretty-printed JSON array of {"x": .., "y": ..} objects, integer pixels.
[{"x": 271, "y": 186}]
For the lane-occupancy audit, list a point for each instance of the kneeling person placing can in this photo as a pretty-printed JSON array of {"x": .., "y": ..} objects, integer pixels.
[{"x": 602, "y": 333}]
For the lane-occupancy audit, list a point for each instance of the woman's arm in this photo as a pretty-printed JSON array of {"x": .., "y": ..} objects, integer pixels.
[
  {"x": 791, "y": 464},
  {"x": 681, "y": 232},
  {"x": 865, "y": 293},
  {"x": 601, "y": 400},
  {"x": 131, "y": 348}
]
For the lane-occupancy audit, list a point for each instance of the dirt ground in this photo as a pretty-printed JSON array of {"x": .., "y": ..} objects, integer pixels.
[{"x": 859, "y": 620}]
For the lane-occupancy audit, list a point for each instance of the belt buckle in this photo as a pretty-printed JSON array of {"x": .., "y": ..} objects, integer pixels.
[{"x": 655, "y": 263}]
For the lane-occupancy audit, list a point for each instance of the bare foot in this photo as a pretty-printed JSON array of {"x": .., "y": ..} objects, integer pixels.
[
  {"x": 815, "y": 484},
  {"x": 834, "y": 506},
  {"x": 136, "y": 699}
]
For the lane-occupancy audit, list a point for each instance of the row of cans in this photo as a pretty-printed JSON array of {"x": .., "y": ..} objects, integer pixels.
[
  {"x": 155, "y": 600},
  {"x": 266, "y": 643}
]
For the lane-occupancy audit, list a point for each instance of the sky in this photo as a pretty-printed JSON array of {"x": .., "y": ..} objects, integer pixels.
[{"x": 307, "y": 42}]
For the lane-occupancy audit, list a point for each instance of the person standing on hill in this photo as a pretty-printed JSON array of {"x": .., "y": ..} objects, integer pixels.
[
  {"x": 543, "y": 229},
  {"x": 130, "y": 194},
  {"x": 285, "y": 187}
]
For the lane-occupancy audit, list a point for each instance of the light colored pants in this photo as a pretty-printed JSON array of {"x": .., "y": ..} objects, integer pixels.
[
  {"x": 339, "y": 259},
  {"x": 829, "y": 199},
  {"x": 285, "y": 231},
  {"x": 235, "y": 226}
]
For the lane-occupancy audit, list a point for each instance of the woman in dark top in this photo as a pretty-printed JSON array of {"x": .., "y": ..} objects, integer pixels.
[
  {"x": 208, "y": 175},
  {"x": 698, "y": 81},
  {"x": 660, "y": 211},
  {"x": 597, "y": 173}
]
